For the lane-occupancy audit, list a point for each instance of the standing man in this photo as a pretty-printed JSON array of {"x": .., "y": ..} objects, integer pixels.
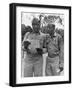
[
  {"x": 53, "y": 45},
  {"x": 33, "y": 45}
]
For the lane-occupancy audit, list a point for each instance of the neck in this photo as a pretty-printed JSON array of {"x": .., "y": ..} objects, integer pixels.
[
  {"x": 36, "y": 32},
  {"x": 51, "y": 35}
]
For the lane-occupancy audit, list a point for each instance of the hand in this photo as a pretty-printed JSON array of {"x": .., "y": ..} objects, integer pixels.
[
  {"x": 61, "y": 66},
  {"x": 61, "y": 69},
  {"x": 26, "y": 44},
  {"x": 39, "y": 51},
  {"x": 32, "y": 49}
]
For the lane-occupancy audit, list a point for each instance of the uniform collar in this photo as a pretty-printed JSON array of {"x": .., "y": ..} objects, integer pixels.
[
  {"x": 36, "y": 33},
  {"x": 54, "y": 35}
]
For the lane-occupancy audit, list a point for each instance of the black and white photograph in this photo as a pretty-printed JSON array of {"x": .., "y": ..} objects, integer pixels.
[
  {"x": 41, "y": 41},
  {"x": 42, "y": 44}
]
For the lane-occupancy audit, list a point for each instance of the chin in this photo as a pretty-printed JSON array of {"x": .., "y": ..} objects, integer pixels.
[{"x": 36, "y": 31}]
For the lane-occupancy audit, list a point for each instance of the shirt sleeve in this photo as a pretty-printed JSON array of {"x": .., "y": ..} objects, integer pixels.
[
  {"x": 61, "y": 54},
  {"x": 25, "y": 39},
  {"x": 45, "y": 41},
  {"x": 26, "y": 36}
]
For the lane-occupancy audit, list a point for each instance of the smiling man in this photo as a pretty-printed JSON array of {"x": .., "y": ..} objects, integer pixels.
[
  {"x": 34, "y": 50},
  {"x": 54, "y": 60}
]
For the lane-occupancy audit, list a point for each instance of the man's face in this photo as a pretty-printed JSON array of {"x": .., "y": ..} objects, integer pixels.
[
  {"x": 51, "y": 30},
  {"x": 36, "y": 27}
]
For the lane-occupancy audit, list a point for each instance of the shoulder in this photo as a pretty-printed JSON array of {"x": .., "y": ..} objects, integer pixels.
[
  {"x": 28, "y": 33},
  {"x": 44, "y": 35},
  {"x": 58, "y": 36}
]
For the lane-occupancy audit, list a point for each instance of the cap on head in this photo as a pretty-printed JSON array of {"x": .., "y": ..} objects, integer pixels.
[{"x": 35, "y": 21}]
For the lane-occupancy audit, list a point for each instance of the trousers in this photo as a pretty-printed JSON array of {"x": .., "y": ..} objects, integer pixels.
[
  {"x": 52, "y": 66},
  {"x": 33, "y": 66}
]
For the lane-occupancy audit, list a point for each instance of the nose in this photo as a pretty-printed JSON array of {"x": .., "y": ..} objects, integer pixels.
[{"x": 35, "y": 25}]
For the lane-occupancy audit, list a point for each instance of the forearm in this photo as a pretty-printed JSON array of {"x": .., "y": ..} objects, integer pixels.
[
  {"x": 44, "y": 50},
  {"x": 61, "y": 59}
]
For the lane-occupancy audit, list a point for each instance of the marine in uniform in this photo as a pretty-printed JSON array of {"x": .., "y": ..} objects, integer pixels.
[
  {"x": 33, "y": 45},
  {"x": 54, "y": 60}
]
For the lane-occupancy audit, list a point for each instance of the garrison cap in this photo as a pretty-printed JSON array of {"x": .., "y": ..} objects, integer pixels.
[{"x": 35, "y": 21}]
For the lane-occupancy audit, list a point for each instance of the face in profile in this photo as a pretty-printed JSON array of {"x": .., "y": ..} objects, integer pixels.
[{"x": 51, "y": 29}]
